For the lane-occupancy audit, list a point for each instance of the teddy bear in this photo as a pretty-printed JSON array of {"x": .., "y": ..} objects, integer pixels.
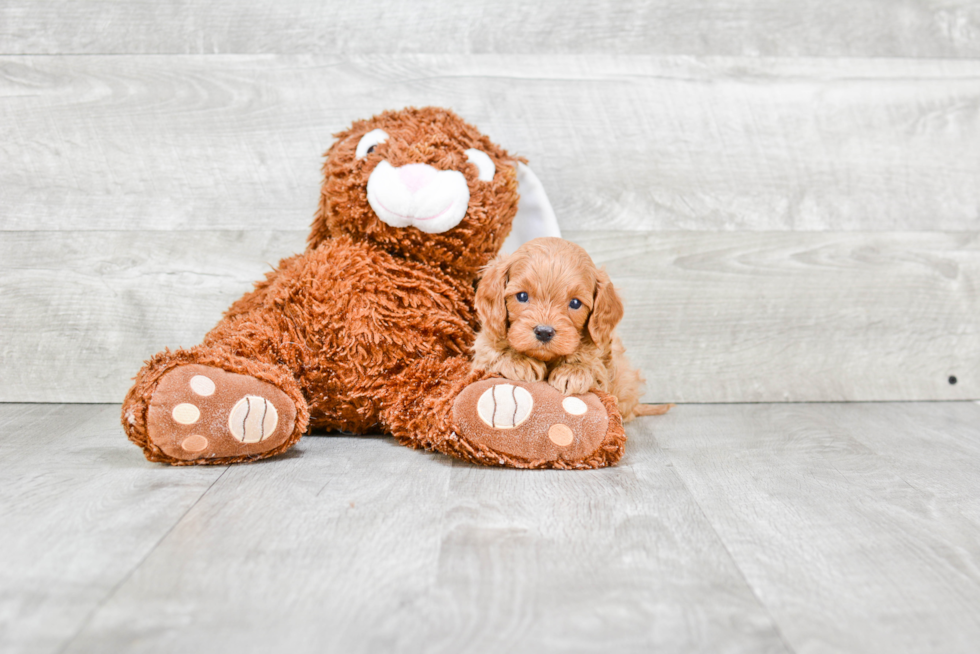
[{"x": 370, "y": 329}]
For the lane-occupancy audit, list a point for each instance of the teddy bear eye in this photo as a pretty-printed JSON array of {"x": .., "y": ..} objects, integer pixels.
[
  {"x": 369, "y": 141},
  {"x": 575, "y": 303},
  {"x": 483, "y": 164},
  {"x": 522, "y": 297}
]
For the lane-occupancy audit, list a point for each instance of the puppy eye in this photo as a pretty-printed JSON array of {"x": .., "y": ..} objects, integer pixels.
[
  {"x": 522, "y": 297},
  {"x": 483, "y": 164},
  {"x": 369, "y": 142},
  {"x": 575, "y": 303}
]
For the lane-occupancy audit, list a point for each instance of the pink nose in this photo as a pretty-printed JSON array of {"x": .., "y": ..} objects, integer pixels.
[{"x": 416, "y": 176}]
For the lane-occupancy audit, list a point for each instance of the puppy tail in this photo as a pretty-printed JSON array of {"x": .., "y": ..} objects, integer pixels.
[{"x": 652, "y": 409}]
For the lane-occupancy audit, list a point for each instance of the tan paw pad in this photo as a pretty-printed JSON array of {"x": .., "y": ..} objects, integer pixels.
[
  {"x": 561, "y": 435},
  {"x": 186, "y": 414},
  {"x": 574, "y": 406},
  {"x": 252, "y": 419},
  {"x": 206, "y": 414},
  {"x": 202, "y": 385},
  {"x": 532, "y": 423},
  {"x": 504, "y": 406},
  {"x": 194, "y": 443}
]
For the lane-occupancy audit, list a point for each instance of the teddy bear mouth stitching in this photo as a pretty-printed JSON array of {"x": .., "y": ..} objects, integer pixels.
[
  {"x": 448, "y": 207},
  {"x": 418, "y": 195}
]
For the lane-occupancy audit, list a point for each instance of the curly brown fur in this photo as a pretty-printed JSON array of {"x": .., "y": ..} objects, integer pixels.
[
  {"x": 349, "y": 328},
  {"x": 370, "y": 327},
  {"x": 437, "y": 137},
  {"x": 548, "y": 313}
]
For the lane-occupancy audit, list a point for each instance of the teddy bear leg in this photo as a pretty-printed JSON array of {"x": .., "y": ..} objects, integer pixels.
[
  {"x": 200, "y": 406},
  {"x": 474, "y": 416},
  {"x": 532, "y": 425}
]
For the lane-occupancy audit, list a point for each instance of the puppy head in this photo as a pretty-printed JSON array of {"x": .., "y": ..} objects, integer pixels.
[
  {"x": 546, "y": 299},
  {"x": 422, "y": 184}
]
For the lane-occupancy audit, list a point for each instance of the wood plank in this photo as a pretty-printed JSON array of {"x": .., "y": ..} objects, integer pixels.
[
  {"x": 305, "y": 552},
  {"x": 359, "y": 545},
  {"x": 929, "y": 28},
  {"x": 637, "y": 143},
  {"x": 954, "y": 432},
  {"x": 14, "y": 417},
  {"x": 79, "y": 510},
  {"x": 847, "y": 552},
  {"x": 589, "y": 563},
  {"x": 81, "y": 311},
  {"x": 782, "y": 317},
  {"x": 710, "y": 317},
  {"x": 820, "y": 527}
]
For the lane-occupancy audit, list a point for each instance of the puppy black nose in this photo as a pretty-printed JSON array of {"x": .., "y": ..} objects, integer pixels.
[{"x": 544, "y": 333}]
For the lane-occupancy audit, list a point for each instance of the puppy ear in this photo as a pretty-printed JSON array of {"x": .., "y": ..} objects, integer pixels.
[
  {"x": 607, "y": 309},
  {"x": 491, "y": 306}
]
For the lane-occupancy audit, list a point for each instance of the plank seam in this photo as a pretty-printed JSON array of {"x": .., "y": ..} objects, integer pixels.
[
  {"x": 741, "y": 573},
  {"x": 88, "y": 619}
]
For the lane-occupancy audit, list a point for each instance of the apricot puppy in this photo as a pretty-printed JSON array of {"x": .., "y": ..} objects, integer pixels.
[{"x": 548, "y": 313}]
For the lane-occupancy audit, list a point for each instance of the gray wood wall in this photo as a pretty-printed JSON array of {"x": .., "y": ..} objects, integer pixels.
[{"x": 787, "y": 193}]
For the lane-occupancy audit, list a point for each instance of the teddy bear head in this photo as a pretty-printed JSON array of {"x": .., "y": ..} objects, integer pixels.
[{"x": 424, "y": 185}]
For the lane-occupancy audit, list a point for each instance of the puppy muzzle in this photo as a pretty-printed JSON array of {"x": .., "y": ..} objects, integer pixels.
[{"x": 544, "y": 333}]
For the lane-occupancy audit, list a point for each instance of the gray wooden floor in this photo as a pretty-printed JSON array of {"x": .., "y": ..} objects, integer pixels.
[
  {"x": 783, "y": 191},
  {"x": 753, "y": 527}
]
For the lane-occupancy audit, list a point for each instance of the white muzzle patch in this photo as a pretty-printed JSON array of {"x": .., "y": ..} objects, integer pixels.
[{"x": 418, "y": 195}]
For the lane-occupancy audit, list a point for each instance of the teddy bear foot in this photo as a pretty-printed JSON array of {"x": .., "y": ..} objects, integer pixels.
[
  {"x": 532, "y": 425},
  {"x": 201, "y": 414}
]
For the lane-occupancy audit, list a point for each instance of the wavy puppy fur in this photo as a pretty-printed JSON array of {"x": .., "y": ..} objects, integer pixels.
[{"x": 549, "y": 313}]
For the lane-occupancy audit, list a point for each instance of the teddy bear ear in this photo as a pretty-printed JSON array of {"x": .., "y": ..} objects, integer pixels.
[{"x": 535, "y": 217}]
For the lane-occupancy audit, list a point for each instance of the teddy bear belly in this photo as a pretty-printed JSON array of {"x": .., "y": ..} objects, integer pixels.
[{"x": 368, "y": 316}]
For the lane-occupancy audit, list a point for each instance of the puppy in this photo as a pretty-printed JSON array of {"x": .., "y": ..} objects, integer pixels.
[{"x": 548, "y": 313}]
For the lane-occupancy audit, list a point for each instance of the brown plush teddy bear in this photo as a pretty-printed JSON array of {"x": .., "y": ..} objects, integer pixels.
[{"x": 370, "y": 328}]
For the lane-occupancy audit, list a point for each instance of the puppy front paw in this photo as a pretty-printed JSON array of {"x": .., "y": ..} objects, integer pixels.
[
  {"x": 520, "y": 368},
  {"x": 571, "y": 380}
]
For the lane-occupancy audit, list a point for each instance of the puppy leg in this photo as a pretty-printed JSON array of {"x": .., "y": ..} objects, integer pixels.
[
  {"x": 512, "y": 365},
  {"x": 572, "y": 379},
  {"x": 579, "y": 372}
]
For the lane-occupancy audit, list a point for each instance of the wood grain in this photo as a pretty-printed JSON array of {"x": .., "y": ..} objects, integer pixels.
[
  {"x": 79, "y": 510},
  {"x": 591, "y": 563},
  {"x": 777, "y": 317},
  {"x": 744, "y": 317},
  {"x": 851, "y": 548},
  {"x": 948, "y": 478},
  {"x": 726, "y": 528},
  {"x": 306, "y": 552},
  {"x": 926, "y": 28},
  {"x": 359, "y": 545},
  {"x": 81, "y": 311},
  {"x": 634, "y": 143}
]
